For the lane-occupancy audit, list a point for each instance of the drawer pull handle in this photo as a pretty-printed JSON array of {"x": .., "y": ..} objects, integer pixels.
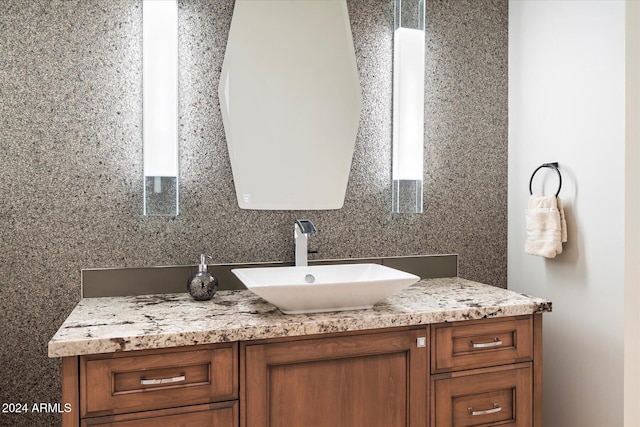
[
  {"x": 495, "y": 343},
  {"x": 496, "y": 408},
  {"x": 163, "y": 380}
]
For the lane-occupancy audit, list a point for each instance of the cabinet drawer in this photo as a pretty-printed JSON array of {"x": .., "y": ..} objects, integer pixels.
[
  {"x": 475, "y": 344},
  {"x": 216, "y": 415},
  {"x": 130, "y": 382},
  {"x": 493, "y": 396}
]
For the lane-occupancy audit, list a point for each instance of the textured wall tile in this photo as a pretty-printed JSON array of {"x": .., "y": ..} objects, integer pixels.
[{"x": 71, "y": 160}]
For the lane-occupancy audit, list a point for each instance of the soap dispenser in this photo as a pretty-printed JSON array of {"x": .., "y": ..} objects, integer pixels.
[{"x": 202, "y": 285}]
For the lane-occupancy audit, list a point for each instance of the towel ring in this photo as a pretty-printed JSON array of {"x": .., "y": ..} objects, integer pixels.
[{"x": 554, "y": 166}]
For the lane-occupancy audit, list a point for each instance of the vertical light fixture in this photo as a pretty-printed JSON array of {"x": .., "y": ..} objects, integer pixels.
[
  {"x": 160, "y": 106},
  {"x": 408, "y": 105}
]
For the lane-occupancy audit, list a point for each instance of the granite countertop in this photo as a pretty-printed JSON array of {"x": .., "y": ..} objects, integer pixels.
[{"x": 113, "y": 324}]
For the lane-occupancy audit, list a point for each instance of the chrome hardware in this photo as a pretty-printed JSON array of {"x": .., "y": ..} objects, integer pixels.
[
  {"x": 495, "y": 343},
  {"x": 163, "y": 380},
  {"x": 302, "y": 229},
  {"x": 421, "y": 341},
  {"x": 306, "y": 226},
  {"x": 496, "y": 408}
]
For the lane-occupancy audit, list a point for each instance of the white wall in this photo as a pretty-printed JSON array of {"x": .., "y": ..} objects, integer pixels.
[
  {"x": 567, "y": 104},
  {"x": 632, "y": 219}
]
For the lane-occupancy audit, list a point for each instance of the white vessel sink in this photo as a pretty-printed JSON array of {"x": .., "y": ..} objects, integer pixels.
[{"x": 323, "y": 288}]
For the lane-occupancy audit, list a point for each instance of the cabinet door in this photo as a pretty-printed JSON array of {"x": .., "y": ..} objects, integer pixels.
[{"x": 363, "y": 380}]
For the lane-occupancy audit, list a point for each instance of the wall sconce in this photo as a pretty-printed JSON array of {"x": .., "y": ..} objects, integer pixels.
[
  {"x": 408, "y": 105},
  {"x": 160, "y": 106}
]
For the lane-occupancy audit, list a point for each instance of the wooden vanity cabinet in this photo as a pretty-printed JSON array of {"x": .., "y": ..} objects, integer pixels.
[
  {"x": 461, "y": 374},
  {"x": 374, "y": 379}
]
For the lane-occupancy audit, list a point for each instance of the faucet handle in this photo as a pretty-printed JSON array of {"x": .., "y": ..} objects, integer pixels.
[{"x": 306, "y": 226}]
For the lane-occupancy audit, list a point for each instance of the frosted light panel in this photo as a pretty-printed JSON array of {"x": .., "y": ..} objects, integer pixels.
[
  {"x": 160, "y": 106},
  {"x": 408, "y": 106}
]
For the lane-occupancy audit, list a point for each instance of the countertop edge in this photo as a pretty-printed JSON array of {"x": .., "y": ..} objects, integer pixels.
[{"x": 440, "y": 305}]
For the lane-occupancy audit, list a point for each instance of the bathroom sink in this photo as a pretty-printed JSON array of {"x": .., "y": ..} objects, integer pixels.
[{"x": 322, "y": 288}]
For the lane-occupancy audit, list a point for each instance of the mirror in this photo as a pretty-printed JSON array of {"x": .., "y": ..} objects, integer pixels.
[{"x": 291, "y": 101}]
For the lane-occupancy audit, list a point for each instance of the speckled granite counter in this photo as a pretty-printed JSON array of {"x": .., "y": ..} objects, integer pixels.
[{"x": 106, "y": 325}]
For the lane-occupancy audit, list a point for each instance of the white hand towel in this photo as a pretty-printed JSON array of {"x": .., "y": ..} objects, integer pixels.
[{"x": 546, "y": 226}]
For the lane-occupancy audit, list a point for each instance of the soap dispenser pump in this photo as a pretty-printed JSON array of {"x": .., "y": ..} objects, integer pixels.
[{"x": 202, "y": 285}]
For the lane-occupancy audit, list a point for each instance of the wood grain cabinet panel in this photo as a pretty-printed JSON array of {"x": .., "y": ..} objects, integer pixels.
[
  {"x": 373, "y": 380},
  {"x": 475, "y": 344},
  {"x": 130, "y": 382},
  {"x": 485, "y": 397},
  {"x": 487, "y": 373},
  {"x": 213, "y": 415}
]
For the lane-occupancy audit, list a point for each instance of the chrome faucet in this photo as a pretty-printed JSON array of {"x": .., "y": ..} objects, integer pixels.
[{"x": 302, "y": 229}]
